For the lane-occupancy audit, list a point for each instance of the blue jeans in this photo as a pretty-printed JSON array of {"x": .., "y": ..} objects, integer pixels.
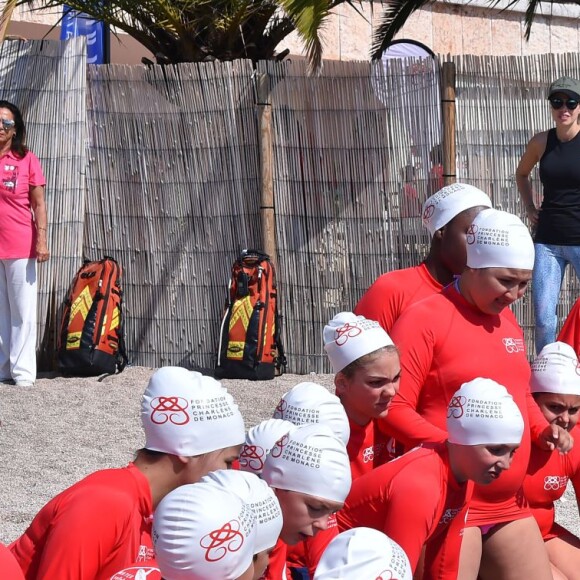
[{"x": 549, "y": 268}]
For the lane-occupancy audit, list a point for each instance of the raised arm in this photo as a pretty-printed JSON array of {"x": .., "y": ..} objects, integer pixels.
[{"x": 532, "y": 155}]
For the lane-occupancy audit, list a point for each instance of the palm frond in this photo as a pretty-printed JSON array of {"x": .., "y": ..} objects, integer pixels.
[
  {"x": 394, "y": 18},
  {"x": 308, "y": 17},
  {"x": 531, "y": 10},
  {"x": 6, "y": 16}
]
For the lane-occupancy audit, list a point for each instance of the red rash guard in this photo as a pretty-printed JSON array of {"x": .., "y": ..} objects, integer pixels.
[
  {"x": 570, "y": 333},
  {"x": 276, "y": 569},
  {"x": 368, "y": 447},
  {"x": 546, "y": 480},
  {"x": 392, "y": 293},
  {"x": 91, "y": 530},
  {"x": 415, "y": 500},
  {"x": 136, "y": 572},
  {"x": 444, "y": 342},
  {"x": 9, "y": 566}
]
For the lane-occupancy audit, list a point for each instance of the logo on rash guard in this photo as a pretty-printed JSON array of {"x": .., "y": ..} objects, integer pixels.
[
  {"x": 449, "y": 515},
  {"x": 513, "y": 345},
  {"x": 226, "y": 539},
  {"x": 386, "y": 575},
  {"x": 172, "y": 409},
  {"x": 145, "y": 554},
  {"x": 455, "y": 407},
  {"x": 345, "y": 332},
  {"x": 251, "y": 456},
  {"x": 555, "y": 482},
  {"x": 278, "y": 447},
  {"x": 470, "y": 235}
]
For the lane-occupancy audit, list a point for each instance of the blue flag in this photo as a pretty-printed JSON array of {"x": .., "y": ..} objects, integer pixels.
[{"x": 75, "y": 23}]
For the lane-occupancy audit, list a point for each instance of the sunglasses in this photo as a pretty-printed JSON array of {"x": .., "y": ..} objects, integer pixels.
[
  {"x": 7, "y": 124},
  {"x": 557, "y": 103}
]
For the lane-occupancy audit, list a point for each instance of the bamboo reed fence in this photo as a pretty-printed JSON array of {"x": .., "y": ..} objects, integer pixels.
[
  {"x": 173, "y": 170},
  {"x": 47, "y": 81}
]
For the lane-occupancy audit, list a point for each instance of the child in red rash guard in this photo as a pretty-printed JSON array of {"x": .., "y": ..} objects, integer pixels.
[
  {"x": 311, "y": 403},
  {"x": 422, "y": 497},
  {"x": 204, "y": 531},
  {"x": 467, "y": 331},
  {"x": 555, "y": 385},
  {"x": 447, "y": 214},
  {"x": 118, "y": 503},
  {"x": 309, "y": 471},
  {"x": 367, "y": 367},
  {"x": 570, "y": 333}
]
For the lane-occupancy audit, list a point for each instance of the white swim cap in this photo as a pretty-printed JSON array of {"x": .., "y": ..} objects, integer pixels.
[
  {"x": 347, "y": 337},
  {"x": 555, "y": 370},
  {"x": 497, "y": 239},
  {"x": 312, "y": 403},
  {"x": 258, "y": 495},
  {"x": 203, "y": 531},
  {"x": 483, "y": 412},
  {"x": 363, "y": 553},
  {"x": 310, "y": 460},
  {"x": 259, "y": 440},
  {"x": 450, "y": 201},
  {"x": 185, "y": 413}
]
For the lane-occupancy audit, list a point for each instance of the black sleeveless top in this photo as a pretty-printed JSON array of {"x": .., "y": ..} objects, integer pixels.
[{"x": 559, "y": 221}]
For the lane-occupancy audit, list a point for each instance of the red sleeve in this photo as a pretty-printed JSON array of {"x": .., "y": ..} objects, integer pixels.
[
  {"x": 8, "y": 565},
  {"x": 536, "y": 418},
  {"x": 574, "y": 461},
  {"x": 82, "y": 537},
  {"x": 381, "y": 302},
  {"x": 570, "y": 333},
  {"x": 411, "y": 511},
  {"x": 442, "y": 553},
  {"x": 415, "y": 344}
]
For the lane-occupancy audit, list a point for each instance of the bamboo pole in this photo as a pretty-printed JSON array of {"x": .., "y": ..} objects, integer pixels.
[
  {"x": 448, "y": 110},
  {"x": 268, "y": 218}
]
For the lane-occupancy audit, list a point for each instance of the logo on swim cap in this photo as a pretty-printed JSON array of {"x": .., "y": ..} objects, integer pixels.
[
  {"x": 428, "y": 212},
  {"x": 345, "y": 332},
  {"x": 172, "y": 409},
  {"x": 276, "y": 451},
  {"x": 251, "y": 456},
  {"x": 470, "y": 235},
  {"x": 455, "y": 407},
  {"x": 226, "y": 539}
]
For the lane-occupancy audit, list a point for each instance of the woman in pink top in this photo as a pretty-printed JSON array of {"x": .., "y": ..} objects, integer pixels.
[{"x": 22, "y": 243}]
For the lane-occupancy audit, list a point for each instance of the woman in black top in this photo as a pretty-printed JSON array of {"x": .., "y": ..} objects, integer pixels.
[{"x": 557, "y": 220}]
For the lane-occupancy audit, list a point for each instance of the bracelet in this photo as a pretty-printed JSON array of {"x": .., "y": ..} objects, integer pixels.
[{"x": 41, "y": 229}]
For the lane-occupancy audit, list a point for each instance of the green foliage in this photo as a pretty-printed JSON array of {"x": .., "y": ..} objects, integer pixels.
[{"x": 197, "y": 30}]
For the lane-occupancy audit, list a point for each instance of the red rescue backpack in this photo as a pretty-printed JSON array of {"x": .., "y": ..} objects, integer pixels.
[
  {"x": 91, "y": 341},
  {"x": 250, "y": 346}
]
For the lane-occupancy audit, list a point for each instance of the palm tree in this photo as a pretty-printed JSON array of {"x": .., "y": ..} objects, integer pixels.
[
  {"x": 197, "y": 30},
  {"x": 398, "y": 12}
]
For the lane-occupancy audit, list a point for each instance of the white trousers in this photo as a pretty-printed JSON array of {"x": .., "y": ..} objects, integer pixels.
[{"x": 18, "y": 299}]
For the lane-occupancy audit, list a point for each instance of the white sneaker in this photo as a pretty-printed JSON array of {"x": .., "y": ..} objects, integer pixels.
[{"x": 21, "y": 383}]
